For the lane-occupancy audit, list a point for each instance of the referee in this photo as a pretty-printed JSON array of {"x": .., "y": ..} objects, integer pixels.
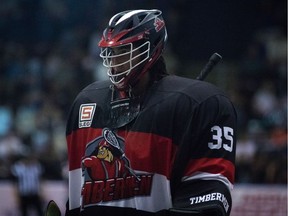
[{"x": 27, "y": 173}]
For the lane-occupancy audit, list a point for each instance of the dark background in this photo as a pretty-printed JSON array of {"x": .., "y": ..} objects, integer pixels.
[{"x": 49, "y": 53}]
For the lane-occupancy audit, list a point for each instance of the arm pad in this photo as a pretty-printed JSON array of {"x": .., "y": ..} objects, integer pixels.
[{"x": 207, "y": 197}]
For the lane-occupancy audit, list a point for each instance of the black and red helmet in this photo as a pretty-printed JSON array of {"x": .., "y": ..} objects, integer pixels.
[{"x": 143, "y": 31}]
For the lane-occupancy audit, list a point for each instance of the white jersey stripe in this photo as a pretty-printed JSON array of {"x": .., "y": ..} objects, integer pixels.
[
  {"x": 75, "y": 183},
  {"x": 209, "y": 176},
  {"x": 160, "y": 194}
]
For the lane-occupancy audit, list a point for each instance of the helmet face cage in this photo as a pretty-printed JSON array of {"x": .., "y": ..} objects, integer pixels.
[{"x": 133, "y": 55}]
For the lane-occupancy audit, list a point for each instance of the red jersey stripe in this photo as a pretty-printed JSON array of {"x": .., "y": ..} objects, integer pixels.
[
  {"x": 146, "y": 152},
  {"x": 223, "y": 167},
  {"x": 76, "y": 143},
  {"x": 150, "y": 152}
]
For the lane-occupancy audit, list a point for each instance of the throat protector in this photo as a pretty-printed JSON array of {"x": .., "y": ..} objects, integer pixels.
[{"x": 123, "y": 110}]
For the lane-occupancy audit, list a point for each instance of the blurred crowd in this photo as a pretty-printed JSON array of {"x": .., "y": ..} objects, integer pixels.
[{"x": 48, "y": 53}]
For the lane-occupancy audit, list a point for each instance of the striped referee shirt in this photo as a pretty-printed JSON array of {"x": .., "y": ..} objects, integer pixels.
[{"x": 28, "y": 173}]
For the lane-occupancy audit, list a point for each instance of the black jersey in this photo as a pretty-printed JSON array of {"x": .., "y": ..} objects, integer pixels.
[{"x": 178, "y": 152}]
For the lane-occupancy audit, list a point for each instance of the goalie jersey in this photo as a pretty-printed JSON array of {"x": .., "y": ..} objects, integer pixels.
[{"x": 178, "y": 152}]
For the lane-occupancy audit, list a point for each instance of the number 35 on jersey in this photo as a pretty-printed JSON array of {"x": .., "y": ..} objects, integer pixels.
[{"x": 222, "y": 137}]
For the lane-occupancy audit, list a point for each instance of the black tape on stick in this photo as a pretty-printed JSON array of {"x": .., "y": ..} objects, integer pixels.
[{"x": 214, "y": 59}]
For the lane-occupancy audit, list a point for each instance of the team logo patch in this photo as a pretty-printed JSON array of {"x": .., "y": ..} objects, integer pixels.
[
  {"x": 159, "y": 24},
  {"x": 86, "y": 113},
  {"x": 107, "y": 172}
]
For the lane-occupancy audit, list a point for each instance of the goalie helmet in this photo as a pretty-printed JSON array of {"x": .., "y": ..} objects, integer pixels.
[{"x": 137, "y": 37}]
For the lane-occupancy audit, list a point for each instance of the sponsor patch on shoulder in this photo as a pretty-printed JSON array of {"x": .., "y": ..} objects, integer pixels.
[{"x": 86, "y": 113}]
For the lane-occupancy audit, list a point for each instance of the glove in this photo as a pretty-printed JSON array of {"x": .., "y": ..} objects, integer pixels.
[{"x": 52, "y": 209}]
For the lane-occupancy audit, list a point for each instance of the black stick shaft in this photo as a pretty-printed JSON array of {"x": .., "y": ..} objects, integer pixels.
[{"x": 214, "y": 59}]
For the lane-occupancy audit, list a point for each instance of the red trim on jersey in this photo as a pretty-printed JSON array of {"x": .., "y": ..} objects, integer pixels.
[
  {"x": 150, "y": 152},
  {"x": 76, "y": 143},
  {"x": 211, "y": 165}
]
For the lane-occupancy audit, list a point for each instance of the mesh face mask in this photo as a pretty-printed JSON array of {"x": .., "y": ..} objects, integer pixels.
[{"x": 125, "y": 57}]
